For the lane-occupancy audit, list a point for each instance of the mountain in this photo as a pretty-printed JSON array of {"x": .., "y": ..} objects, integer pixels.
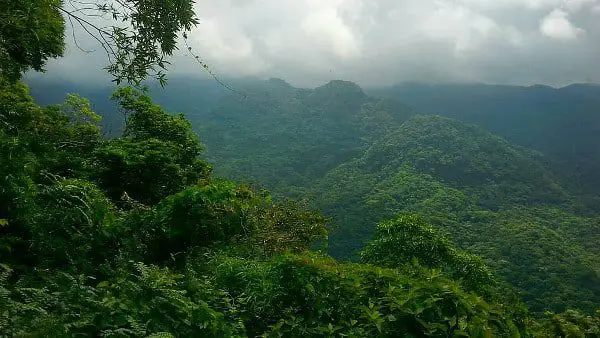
[
  {"x": 286, "y": 137},
  {"x": 364, "y": 159},
  {"x": 132, "y": 236},
  {"x": 490, "y": 196},
  {"x": 562, "y": 123},
  {"x": 192, "y": 95}
]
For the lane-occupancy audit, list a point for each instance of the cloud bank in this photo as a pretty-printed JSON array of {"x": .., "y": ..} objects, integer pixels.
[{"x": 380, "y": 42}]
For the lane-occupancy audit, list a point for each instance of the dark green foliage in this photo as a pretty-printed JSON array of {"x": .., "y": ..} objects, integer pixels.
[
  {"x": 462, "y": 179},
  {"x": 221, "y": 214},
  {"x": 138, "y": 301},
  {"x": 562, "y": 123},
  {"x": 211, "y": 252},
  {"x": 487, "y": 195},
  {"x": 146, "y": 171},
  {"x": 133, "y": 237},
  {"x": 68, "y": 253},
  {"x": 137, "y": 44},
  {"x": 285, "y": 138},
  {"x": 156, "y": 157},
  {"x": 31, "y": 32},
  {"x": 71, "y": 226}
]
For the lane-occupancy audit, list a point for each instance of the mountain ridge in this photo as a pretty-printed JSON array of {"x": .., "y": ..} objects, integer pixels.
[{"x": 511, "y": 198}]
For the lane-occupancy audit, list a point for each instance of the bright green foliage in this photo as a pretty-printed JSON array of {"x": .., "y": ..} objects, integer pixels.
[
  {"x": 148, "y": 299},
  {"x": 18, "y": 111},
  {"x": 222, "y": 214},
  {"x": 138, "y": 301},
  {"x": 146, "y": 120},
  {"x": 71, "y": 227},
  {"x": 31, "y": 32},
  {"x": 459, "y": 179},
  {"x": 311, "y": 295},
  {"x": 570, "y": 324},
  {"x": 71, "y": 137},
  {"x": 62, "y": 136},
  {"x": 409, "y": 239}
]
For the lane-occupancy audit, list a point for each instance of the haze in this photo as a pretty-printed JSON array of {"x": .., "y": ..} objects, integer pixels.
[{"x": 376, "y": 43}]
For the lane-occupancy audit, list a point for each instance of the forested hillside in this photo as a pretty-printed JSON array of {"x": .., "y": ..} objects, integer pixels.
[
  {"x": 438, "y": 227},
  {"x": 491, "y": 197},
  {"x": 285, "y": 138},
  {"x": 562, "y": 123},
  {"x": 176, "y": 96},
  {"x": 133, "y": 237},
  {"x": 363, "y": 160}
]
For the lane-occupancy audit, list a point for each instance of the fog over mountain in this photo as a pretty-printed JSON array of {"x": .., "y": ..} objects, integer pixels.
[{"x": 375, "y": 43}]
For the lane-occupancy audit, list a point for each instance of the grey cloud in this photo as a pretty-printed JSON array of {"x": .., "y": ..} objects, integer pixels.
[{"x": 379, "y": 42}]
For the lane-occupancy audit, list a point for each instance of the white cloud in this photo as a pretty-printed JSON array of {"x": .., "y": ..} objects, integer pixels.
[
  {"x": 229, "y": 49},
  {"x": 374, "y": 42},
  {"x": 521, "y": 4},
  {"x": 556, "y": 25},
  {"x": 326, "y": 28},
  {"x": 578, "y": 5}
]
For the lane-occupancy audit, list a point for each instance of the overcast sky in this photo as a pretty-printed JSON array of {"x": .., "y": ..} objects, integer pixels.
[{"x": 380, "y": 42}]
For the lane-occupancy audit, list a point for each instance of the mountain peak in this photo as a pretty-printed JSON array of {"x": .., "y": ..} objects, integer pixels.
[
  {"x": 275, "y": 81},
  {"x": 341, "y": 86}
]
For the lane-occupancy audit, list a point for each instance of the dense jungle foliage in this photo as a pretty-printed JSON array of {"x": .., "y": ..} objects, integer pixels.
[
  {"x": 133, "y": 237},
  {"x": 531, "y": 227},
  {"x": 129, "y": 233}
]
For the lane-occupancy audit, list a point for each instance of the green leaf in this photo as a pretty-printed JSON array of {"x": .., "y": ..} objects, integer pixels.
[{"x": 103, "y": 284}]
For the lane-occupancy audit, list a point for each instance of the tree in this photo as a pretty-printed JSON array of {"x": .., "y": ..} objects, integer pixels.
[
  {"x": 156, "y": 157},
  {"x": 408, "y": 239},
  {"x": 140, "y": 34},
  {"x": 31, "y": 32}
]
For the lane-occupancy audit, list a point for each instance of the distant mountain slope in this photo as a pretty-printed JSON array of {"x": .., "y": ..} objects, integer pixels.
[
  {"x": 492, "y": 197},
  {"x": 468, "y": 157},
  {"x": 364, "y": 159},
  {"x": 562, "y": 123},
  {"x": 194, "y": 96},
  {"x": 285, "y": 137}
]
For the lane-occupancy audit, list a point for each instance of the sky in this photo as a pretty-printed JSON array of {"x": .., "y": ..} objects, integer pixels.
[{"x": 382, "y": 42}]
